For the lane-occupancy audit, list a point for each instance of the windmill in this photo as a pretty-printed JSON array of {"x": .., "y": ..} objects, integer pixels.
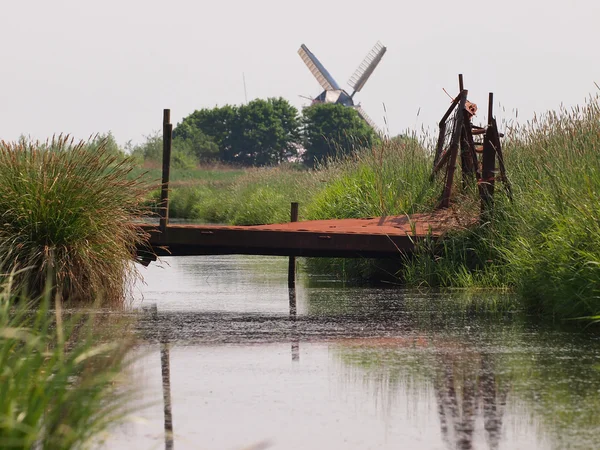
[{"x": 333, "y": 93}]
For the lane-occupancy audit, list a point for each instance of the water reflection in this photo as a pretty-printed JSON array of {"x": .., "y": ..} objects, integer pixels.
[
  {"x": 380, "y": 367},
  {"x": 462, "y": 383},
  {"x": 293, "y": 314}
]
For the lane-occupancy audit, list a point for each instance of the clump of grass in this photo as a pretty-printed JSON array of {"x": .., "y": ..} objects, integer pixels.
[
  {"x": 392, "y": 177},
  {"x": 263, "y": 195},
  {"x": 59, "y": 388},
  {"x": 546, "y": 244},
  {"x": 71, "y": 212}
]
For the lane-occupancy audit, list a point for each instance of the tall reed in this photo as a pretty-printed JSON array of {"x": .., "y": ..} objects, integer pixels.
[
  {"x": 72, "y": 211},
  {"x": 546, "y": 244},
  {"x": 392, "y": 177},
  {"x": 59, "y": 381}
]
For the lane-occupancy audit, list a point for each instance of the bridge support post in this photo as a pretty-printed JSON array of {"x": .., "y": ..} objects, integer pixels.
[
  {"x": 292, "y": 262},
  {"x": 292, "y": 289},
  {"x": 166, "y": 168}
]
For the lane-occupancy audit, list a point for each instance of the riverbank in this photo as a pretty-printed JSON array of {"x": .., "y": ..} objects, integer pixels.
[
  {"x": 545, "y": 245},
  {"x": 398, "y": 367}
]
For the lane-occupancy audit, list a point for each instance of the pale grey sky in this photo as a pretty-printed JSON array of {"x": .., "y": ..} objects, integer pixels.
[{"x": 81, "y": 66}]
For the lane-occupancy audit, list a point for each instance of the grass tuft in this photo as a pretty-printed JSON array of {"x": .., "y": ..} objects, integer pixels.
[
  {"x": 70, "y": 211},
  {"x": 59, "y": 380}
]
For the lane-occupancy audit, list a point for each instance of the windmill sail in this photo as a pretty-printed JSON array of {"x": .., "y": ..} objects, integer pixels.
[
  {"x": 316, "y": 68},
  {"x": 366, "y": 68},
  {"x": 363, "y": 115}
]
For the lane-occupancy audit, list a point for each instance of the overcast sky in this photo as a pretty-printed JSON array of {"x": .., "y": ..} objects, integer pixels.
[{"x": 82, "y": 66}]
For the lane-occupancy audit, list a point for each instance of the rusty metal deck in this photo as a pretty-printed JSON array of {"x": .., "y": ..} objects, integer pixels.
[{"x": 372, "y": 237}]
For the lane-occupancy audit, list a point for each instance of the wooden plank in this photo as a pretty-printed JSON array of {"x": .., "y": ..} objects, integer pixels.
[
  {"x": 206, "y": 240},
  {"x": 371, "y": 237}
]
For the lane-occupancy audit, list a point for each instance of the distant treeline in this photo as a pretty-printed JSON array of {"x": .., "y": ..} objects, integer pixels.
[{"x": 262, "y": 133}]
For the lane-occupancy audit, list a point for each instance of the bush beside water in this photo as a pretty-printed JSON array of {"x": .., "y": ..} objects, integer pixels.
[
  {"x": 68, "y": 231},
  {"x": 71, "y": 210}
]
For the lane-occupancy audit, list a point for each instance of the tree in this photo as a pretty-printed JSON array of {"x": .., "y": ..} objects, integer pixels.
[
  {"x": 107, "y": 142},
  {"x": 331, "y": 130},
  {"x": 197, "y": 144},
  {"x": 151, "y": 150},
  {"x": 182, "y": 157},
  {"x": 215, "y": 124},
  {"x": 263, "y": 132}
]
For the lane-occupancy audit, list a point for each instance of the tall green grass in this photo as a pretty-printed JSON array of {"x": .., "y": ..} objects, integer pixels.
[
  {"x": 72, "y": 212},
  {"x": 59, "y": 380},
  {"x": 250, "y": 197},
  {"x": 392, "y": 177},
  {"x": 546, "y": 244}
]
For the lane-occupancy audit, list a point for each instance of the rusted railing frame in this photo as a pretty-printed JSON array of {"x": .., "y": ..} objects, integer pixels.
[{"x": 452, "y": 153}]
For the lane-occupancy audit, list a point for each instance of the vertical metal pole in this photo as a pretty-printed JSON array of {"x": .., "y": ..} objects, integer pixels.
[
  {"x": 461, "y": 86},
  {"x": 292, "y": 288},
  {"x": 490, "y": 108},
  {"x": 488, "y": 163},
  {"x": 292, "y": 262},
  {"x": 166, "y": 168}
]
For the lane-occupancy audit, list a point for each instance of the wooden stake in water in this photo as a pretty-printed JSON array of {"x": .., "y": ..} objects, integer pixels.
[
  {"x": 292, "y": 263},
  {"x": 292, "y": 288},
  {"x": 166, "y": 168}
]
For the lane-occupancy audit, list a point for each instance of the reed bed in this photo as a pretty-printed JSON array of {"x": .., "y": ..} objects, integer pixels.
[
  {"x": 546, "y": 244},
  {"x": 60, "y": 383},
  {"x": 69, "y": 211}
]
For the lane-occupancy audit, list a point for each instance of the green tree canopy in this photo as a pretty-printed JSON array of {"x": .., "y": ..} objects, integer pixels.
[
  {"x": 108, "y": 142},
  {"x": 197, "y": 144},
  {"x": 331, "y": 130},
  {"x": 206, "y": 125},
  {"x": 263, "y": 132},
  {"x": 182, "y": 155}
]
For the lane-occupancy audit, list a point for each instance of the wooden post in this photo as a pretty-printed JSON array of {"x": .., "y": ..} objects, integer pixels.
[
  {"x": 292, "y": 262},
  {"x": 488, "y": 163},
  {"x": 166, "y": 168},
  {"x": 293, "y": 314},
  {"x": 490, "y": 108}
]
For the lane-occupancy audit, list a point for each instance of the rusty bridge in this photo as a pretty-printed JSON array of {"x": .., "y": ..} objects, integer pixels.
[{"x": 481, "y": 162}]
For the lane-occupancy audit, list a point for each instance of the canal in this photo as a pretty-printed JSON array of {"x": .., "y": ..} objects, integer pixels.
[{"x": 252, "y": 365}]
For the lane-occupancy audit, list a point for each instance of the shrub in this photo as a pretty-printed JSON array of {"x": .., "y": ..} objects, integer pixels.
[{"x": 71, "y": 211}]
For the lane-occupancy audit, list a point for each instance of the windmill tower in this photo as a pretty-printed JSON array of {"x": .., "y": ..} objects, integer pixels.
[{"x": 333, "y": 93}]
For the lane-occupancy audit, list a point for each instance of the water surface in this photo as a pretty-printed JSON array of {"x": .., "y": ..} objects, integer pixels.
[{"x": 253, "y": 365}]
